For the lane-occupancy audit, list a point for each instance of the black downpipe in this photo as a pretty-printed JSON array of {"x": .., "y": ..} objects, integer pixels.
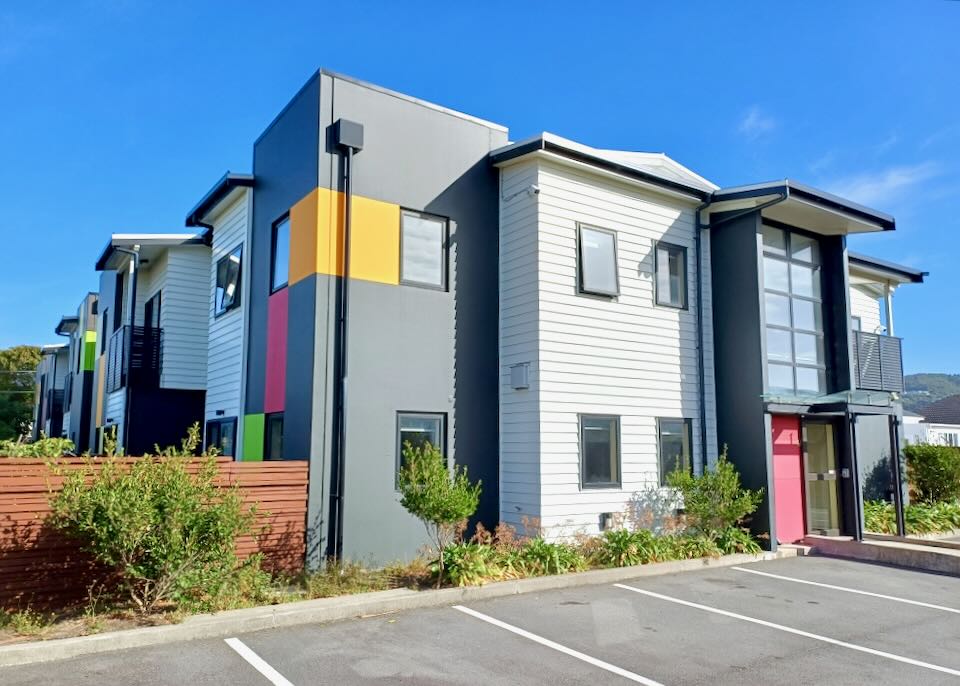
[
  {"x": 342, "y": 339},
  {"x": 135, "y": 256},
  {"x": 701, "y": 373},
  {"x": 897, "y": 474}
]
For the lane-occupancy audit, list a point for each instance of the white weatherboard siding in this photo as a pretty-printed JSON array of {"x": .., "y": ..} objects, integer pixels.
[
  {"x": 225, "y": 346},
  {"x": 184, "y": 317},
  {"x": 622, "y": 356},
  {"x": 519, "y": 409},
  {"x": 867, "y": 307}
]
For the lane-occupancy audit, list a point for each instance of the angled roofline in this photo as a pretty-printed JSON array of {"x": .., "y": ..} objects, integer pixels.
[
  {"x": 876, "y": 264},
  {"x": 66, "y": 321},
  {"x": 126, "y": 240},
  {"x": 220, "y": 190},
  {"x": 546, "y": 142},
  {"x": 809, "y": 193}
]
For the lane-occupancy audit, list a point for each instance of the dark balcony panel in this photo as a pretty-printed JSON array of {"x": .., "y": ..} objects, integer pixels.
[
  {"x": 134, "y": 357},
  {"x": 878, "y": 362}
]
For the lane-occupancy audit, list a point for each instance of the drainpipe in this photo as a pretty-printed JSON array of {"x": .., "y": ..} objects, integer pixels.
[
  {"x": 349, "y": 139},
  {"x": 134, "y": 270},
  {"x": 888, "y": 305}
]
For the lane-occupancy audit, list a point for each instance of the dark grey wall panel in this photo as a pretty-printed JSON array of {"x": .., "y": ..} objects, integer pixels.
[
  {"x": 739, "y": 351},
  {"x": 298, "y": 403},
  {"x": 285, "y": 168},
  {"x": 836, "y": 301}
]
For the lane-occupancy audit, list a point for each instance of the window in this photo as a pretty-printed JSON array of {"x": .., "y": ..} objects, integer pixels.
[
  {"x": 599, "y": 451},
  {"x": 273, "y": 438},
  {"x": 280, "y": 256},
  {"x": 103, "y": 330},
  {"x": 418, "y": 429},
  {"x": 227, "y": 293},
  {"x": 673, "y": 447},
  {"x": 796, "y": 362},
  {"x": 671, "y": 268},
  {"x": 423, "y": 252},
  {"x": 118, "y": 302},
  {"x": 222, "y": 435},
  {"x": 597, "y": 261}
]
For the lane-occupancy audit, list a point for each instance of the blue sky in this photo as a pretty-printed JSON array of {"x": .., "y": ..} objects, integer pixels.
[{"x": 118, "y": 115}]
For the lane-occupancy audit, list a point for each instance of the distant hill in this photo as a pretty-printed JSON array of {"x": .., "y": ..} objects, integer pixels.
[{"x": 922, "y": 389}]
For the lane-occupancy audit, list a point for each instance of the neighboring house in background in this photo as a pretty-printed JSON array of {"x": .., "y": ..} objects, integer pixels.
[
  {"x": 151, "y": 372},
  {"x": 939, "y": 423},
  {"x": 78, "y": 391},
  {"x": 48, "y": 396},
  {"x": 225, "y": 212}
]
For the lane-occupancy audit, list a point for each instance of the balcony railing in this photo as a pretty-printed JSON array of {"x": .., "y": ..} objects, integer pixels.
[
  {"x": 878, "y": 362},
  {"x": 142, "y": 347}
]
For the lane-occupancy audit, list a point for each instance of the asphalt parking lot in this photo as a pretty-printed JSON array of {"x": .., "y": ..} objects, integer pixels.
[{"x": 793, "y": 621}]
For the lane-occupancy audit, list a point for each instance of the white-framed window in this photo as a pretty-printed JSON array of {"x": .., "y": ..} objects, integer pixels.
[
  {"x": 597, "y": 261},
  {"x": 671, "y": 275},
  {"x": 423, "y": 250},
  {"x": 227, "y": 292},
  {"x": 599, "y": 451},
  {"x": 674, "y": 446}
]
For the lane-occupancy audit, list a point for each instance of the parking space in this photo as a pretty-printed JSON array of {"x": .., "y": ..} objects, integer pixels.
[{"x": 804, "y": 620}]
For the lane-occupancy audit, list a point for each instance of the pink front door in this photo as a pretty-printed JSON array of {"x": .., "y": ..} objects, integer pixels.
[{"x": 788, "y": 479}]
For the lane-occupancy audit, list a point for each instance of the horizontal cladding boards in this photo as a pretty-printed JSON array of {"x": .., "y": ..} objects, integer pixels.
[
  {"x": 184, "y": 313},
  {"x": 867, "y": 308},
  {"x": 316, "y": 237}
]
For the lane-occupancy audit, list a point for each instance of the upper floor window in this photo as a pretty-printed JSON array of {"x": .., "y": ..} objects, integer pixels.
[
  {"x": 794, "y": 312},
  {"x": 599, "y": 451},
  {"x": 597, "y": 261},
  {"x": 280, "y": 255},
  {"x": 227, "y": 293},
  {"x": 674, "y": 451},
  {"x": 671, "y": 267},
  {"x": 423, "y": 250}
]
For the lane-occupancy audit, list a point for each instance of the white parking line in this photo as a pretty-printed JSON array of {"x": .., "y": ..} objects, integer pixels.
[
  {"x": 560, "y": 648},
  {"x": 797, "y": 632},
  {"x": 257, "y": 662},
  {"x": 942, "y": 608}
]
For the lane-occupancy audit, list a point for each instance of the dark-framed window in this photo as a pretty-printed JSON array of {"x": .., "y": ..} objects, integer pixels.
[
  {"x": 423, "y": 249},
  {"x": 273, "y": 436},
  {"x": 280, "y": 254},
  {"x": 599, "y": 451},
  {"x": 793, "y": 305},
  {"x": 418, "y": 429},
  {"x": 674, "y": 446},
  {"x": 222, "y": 435},
  {"x": 103, "y": 329},
  {"x": 671, "y": 275},
  {"x": 597, "y": 261},
  {"x": 118, "y": 302},
  {"x": 227, "y": 290}
]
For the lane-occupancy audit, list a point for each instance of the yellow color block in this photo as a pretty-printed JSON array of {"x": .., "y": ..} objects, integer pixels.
[{"x": 316, "y": 238}]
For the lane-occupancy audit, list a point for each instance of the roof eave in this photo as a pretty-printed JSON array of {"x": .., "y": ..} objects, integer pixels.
[{"x": 213, "y": 197}]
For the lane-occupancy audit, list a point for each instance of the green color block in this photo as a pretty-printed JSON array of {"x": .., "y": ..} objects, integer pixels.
[
  {"x": 253, "y": 438},
  {"x": 89, "y": 350}
]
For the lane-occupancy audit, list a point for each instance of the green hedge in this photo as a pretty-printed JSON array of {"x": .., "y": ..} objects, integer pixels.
[{"x": 934, "y": 472}]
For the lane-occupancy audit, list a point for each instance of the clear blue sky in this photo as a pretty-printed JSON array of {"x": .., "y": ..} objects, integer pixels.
[{"x": 118, "y": 115}]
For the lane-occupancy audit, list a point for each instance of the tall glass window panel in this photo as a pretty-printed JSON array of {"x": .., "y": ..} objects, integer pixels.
[
  {"x": 423, "y": 259},
  {"x": 780, "y": 377},
  {"x": 808, "y": 348},
  {"x": 776, "y": 276},
  {"x": 280, "y": 265},
  {"x": 600, "y": 451},
  {"x": 805, "y": 280},
  {"x": 774, "y": 241},
  {"x": 598, "y": 261},
  {"x": 778, "y": 345},
  {"x": 807, "y": 315},
  {"x": 804, "y": 248},
  {"x": 671, "y": 268},
  {"x": 778, "y": 309},
  {"x": 674, "y": 449}
]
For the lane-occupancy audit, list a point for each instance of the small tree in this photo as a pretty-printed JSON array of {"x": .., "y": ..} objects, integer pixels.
[
  {"x": 934, "y": 472},
  {"x": 716, "y": 500},
  {"x": 439, "y": 497}
]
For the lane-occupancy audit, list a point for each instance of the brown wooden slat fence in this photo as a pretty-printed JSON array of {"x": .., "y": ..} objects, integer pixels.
[{"x": 41, "y": 568}]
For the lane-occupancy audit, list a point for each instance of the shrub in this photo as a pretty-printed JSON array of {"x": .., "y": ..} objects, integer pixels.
[
  {"x": 470, "y": 564},
  {"x": 919, "y": 518},
  {"x": 189, "y": 446},
  {"x": 44, "y": 447},
  {"x": 733, "y": 540},
  {"x": 624, "y": 548},
  {"x": 26, "y": 622},
  {"x": 168, "y": 533},
  {"x": 441, "y": 498},
  {"x": 540, "y": 558},
  {"x": 716, "y": 500},
  {"x": 934, "y": 472}
]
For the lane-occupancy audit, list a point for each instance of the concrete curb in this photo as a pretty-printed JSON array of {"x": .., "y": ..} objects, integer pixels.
[
  {"x": 235, "y": 622},
  {"x": 921, "y": 557}
]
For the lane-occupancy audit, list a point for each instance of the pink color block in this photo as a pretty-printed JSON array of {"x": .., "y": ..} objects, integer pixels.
[
  {"x": 276, "y": 385},
  {"x": 788, "y": 479}
]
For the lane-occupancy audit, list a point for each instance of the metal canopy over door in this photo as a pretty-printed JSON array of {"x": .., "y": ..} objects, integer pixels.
[{"x": 820, "y": 467}]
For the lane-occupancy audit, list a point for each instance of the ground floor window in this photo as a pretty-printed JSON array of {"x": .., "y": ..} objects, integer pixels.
[
  {"x": 419, "y": 429},
  {"x": 599, "y": 451},
  {"x": 222, "y": 435},
  {"x": 273, "y": 437},
  {"x": 674, "y": 447}
]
